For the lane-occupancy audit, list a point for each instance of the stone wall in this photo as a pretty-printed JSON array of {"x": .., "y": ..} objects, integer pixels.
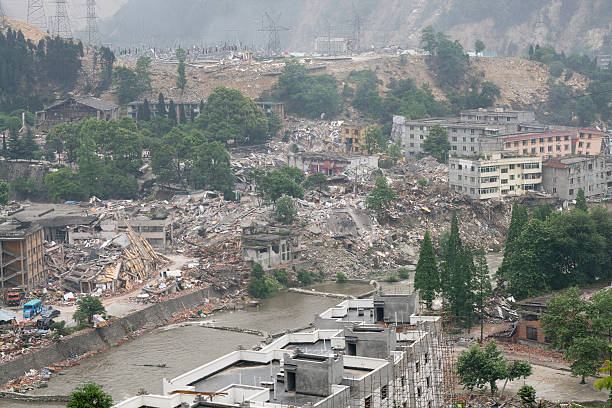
[{"x": 102, "y": 338}]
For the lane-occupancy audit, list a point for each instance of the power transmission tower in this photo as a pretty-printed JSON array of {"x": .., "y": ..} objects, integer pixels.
[
  {"x": 2, "y": 16},
  {"x": 61, "y": 21},
  {"x": 273, "y": 30},
  {"x": 36, "y": 14},
  {"x": 93, "y": 34}
]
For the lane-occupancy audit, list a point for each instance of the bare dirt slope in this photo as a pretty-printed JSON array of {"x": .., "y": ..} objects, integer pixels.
[{"x": 522, "y": 82}]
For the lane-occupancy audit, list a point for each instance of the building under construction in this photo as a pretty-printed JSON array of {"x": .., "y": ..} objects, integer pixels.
[{"x": 368, "y": 353}]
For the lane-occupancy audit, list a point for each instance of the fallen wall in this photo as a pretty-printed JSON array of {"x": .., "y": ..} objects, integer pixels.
[{"x": 102, "y": 338}]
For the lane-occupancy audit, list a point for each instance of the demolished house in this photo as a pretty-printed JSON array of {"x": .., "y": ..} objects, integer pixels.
[
  {"x": 120, "y": 262},
  {"x": 272, "y": 247}
]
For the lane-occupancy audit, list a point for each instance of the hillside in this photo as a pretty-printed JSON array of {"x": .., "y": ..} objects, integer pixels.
[
  {"x": 522, "y": 83},
  {"x": 507, "y": 27}
]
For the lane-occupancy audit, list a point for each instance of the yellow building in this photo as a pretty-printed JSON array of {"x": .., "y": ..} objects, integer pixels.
[{"x": 354, "y": 136}]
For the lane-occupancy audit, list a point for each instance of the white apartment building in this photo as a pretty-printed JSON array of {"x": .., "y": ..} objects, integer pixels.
[{"x": 497, "y": 175}]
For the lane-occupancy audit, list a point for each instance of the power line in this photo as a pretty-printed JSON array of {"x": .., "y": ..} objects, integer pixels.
[{"x": 36, "y": 14}]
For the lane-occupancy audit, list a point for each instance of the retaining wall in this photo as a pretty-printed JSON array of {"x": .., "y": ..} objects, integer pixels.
[{"x": 102, "y": 338}]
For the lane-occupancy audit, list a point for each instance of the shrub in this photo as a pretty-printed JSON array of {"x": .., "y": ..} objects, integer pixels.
[
  {"x": 403, "y": 273},
  {"x": 391, "y": 278},
  {"x": 340, "y": 277}
]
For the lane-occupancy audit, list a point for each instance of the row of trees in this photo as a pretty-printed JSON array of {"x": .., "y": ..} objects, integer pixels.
[
  {"x": 32, "y": 72},
  {"x": 461, "y": 277},
  {"x": 563, "y": 107},
  {"x": 548, "y": 250}
]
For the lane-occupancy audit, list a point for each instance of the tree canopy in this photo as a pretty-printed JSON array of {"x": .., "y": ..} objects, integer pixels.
[
  {"x": 381, "y": 196},
  {"x": 89, "y": 396},
  {"x": 427, "y": 277},
  {"x": 437, "y": 144}
]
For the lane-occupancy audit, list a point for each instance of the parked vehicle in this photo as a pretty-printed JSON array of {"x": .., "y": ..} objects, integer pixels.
[
  {"x": 44, "y": 323},
  {"x": 13, "y": 298},
  {"x": 49, "y": 311},
  {"x": 32, "y": 308}
]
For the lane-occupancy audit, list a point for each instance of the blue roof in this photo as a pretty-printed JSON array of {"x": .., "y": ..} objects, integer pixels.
[
  {"x": 6, "y": 316},
  {"x": 32, "y": 302}
]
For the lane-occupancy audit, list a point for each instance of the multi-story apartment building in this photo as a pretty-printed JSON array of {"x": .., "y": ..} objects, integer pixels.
[
  {"x": 497, "y": 175},
  {"x": 466, "y": 138},
  {"x": 555, "y": 143},
  {"x": 565, "y": 176},
  {"x": 497, "y": 116},
  {"x": 354, "y": 136}
]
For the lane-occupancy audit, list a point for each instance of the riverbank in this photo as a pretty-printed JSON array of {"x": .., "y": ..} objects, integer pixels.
[{"x": 103, "y": 338}]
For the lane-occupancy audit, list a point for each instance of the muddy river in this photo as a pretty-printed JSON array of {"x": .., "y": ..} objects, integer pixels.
[{"x": 124, "y": 370}]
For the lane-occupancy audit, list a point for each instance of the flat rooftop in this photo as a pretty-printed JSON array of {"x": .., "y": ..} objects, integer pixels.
[
  {"x": 254, "y": 374},
  {"x": 49, "y": 215}
]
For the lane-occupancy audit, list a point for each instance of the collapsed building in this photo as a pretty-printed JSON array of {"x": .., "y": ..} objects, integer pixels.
[
  {"x": 21, "y": 255},
  {"x": 361, "y": 353},
  {"x": 271, "y": 246}
]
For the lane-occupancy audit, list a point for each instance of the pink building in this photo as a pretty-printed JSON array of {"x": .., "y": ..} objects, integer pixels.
[{"x": 556, "y": 143}]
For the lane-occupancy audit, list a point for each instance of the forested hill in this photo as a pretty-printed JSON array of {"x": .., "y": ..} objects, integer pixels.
[{"x": 508, "y": 27}]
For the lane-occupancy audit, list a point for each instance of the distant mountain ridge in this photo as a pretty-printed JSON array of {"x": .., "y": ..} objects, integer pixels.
[{"x": 507, "y": 27}]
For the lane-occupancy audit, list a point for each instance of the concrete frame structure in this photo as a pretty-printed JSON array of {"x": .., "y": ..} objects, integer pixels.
[
  {"x": 556, "y": 143},
  {"x": 271, "y": 247},
  {"x": 21, "y": 255},
  {"x": 132, "y": 108},
  {"x": 565, "y": 176},
  {"x": 354, "y": 136},
  {"x": 497, "y": 175},
  {"x": 330, "y": 163},
  {"x": 320, "y": 368},
  {"x": 155, "y": 230},
  {"x": 497, "y": 115}
]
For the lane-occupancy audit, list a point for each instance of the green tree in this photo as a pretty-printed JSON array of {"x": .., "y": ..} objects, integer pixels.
[
  {"x": 316, "y": 181},
  {"x": 261, "y": 286},
  {"x": 311, "y": 96},
  {"x": 143, "y": 65},
  {"x": 89, "y": 396},
  {"x": 182, "y": 116},
  {"x": 482, "y": 286},
  {"x": 86, "y": 308},
  {"x": 477, "y": 367},
  {"x": 447, "y": 57},
  {"x": 211, "y": 167},
  {"x": 146, "y": 111},
  {"x": 340, "y": 277},
  {"x": 375, "y": 141},
  {"x": 517, "y": 222},
  {"x": 606, "y": 382},
  {"x": 229, "y": 115},
  {"x": 436, "y": 144},
  {"x": 528, "y": 396},
  {"x": 64, "y": 184},
  {"x": 515, "y": 370},
  {"x": 4, "y": 192},
  {"x": 161, "y": 106},
  {"x": 427, "y": 277},
  {"x": 275, "y": 184},
  {"x": 181, "y": 81},
  {"x": 394, "y": 151},
  {"x": 285, "y": 210},
  {"x": 579, "y": 327},
  {"x": 381, "y": 196},
  {"x": 127, "y": 86},
  {"x": 581, "y": 201},
  {"x": 479, "y": 46},
  {"x": 172, "y": 112}
]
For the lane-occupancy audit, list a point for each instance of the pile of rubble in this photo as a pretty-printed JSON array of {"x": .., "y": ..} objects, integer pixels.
[{"x": 121, "y": 262}]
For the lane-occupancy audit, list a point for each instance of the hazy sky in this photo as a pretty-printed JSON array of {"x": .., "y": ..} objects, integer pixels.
[{"x": 18, "y": 9}]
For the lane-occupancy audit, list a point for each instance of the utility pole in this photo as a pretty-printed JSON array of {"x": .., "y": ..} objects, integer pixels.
[
  {"x": 273, "y": 30},
  {"x": 36, "y": 14},
  {"x": 61, "y": 21},
  {"x": 93, "y": 34}
]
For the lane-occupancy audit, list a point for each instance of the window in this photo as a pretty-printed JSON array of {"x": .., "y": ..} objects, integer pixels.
[
  {"x": 504, "y": 181},
  {"x": 384, "y": 392},
  {"x": 533, "y": 141},
  {"x": 541, "y": 140},
  {"x": 566, "y": 138},
  {"x": 472, "y": 148},
  {"x": 524, "y": 151},
  {"x": 356, "y": 132},
  {"x": 418, "y": 393},
  {"x": 525, "y": 142},
  {"x": 411, "y": 144},
  {"x": 472, "y": 139},
  {"x": 411, "y": 127},
  {"x": 412, "y": 135},
  {"x": 516, "y": 143},
  {"x": 580, "y": 144},
  {"x": 571, "y": 191},
  {"x": 346, "y": 131},
  {"x": 459, "y": 177},
  {"x": 417, "y": 365},
  {"x": 550, "y": 148},
  {"x": 541, "y": 149},
  {"x": 566, "y": 147},
  {"x": 508, "y": 144},
  {"x": 472, "y": 191},
  {"x": 472, "y": 179},
  {"x": 471, "y": 131},
  {"x": 454, "y": 147},
  {"x": 428, "y": 379},
  {"x": 464, "y": 148},
  {"x": 588, "y": 145},
  {"x": 421, "y": 137},
  {"x": 504, "y": 170},
  {"x": 532, "y": 333},
  {"x": 531, "y": 166},
  {"x": 533, "y": 150},
  {"x": 426, "y": 358}
]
